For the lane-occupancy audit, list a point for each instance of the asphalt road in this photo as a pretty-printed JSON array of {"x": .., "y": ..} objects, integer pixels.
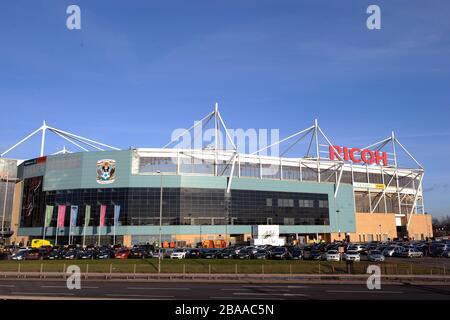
[{"x": 31, "y": 289}]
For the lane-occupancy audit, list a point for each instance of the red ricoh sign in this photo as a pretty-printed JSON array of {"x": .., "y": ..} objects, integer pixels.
[{"x": 357, "y": 155}]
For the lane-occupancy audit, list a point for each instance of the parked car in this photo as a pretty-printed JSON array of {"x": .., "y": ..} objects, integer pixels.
[
  {"x": 86, "y": 254},
  {"x": 178, "y": 254},
  {"x": 360, "y": 248},
  {"x": 333, "y": 255},
  {"x": 245, "y": 254},
  {"x": 281, "y": 253},
  {"x": 226, "y": 254},
  {"x": 375, "y": 255},
  {"x": 445, "y": 254},
  {"x": 32, "y": 254},
  {"x": 122, "y": 253},
  {"x": 313, "y": 255},
  {"x": 390, "y": 250},
  {"x": 411, "y": 253},
  {"x": 208, "y": 254},
  {"x": 261, "y": 254},
  {"x": 193, "y": 254},
  {"x": 139, "y": 253},
  {"x": 71, "y": 254},
  {"x": 103, "y": 253},
  {"x": 352, "y": 255},
  {"x": 166, "y": 252},
  {"x": 297, "y": 253},
  {"x": 52, "y": 255}
]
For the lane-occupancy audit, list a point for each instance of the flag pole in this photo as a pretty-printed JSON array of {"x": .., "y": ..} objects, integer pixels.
[
  {"x": 99, "y": 231},
  {"x": 84, "y": 233}
]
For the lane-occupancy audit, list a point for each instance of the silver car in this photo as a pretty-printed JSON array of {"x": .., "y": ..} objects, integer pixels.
[
  {"x": 375, "y": 255},
  {"x": 352, "y": 256},
  {"x": 333, "y": 255},
  {"x": 411, "y": 253}
]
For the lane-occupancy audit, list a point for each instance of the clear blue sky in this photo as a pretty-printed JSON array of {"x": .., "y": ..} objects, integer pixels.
[{"x": 139, "y": 69}]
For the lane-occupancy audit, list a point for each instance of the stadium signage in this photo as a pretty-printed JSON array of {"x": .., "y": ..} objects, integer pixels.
[{"x": 357, "y": 155}]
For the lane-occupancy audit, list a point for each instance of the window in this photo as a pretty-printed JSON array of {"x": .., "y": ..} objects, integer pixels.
[
  {"x": 289, "y": 221},
  {"x": 269, "y": 202},
  {"x": 285, "y": 203}
]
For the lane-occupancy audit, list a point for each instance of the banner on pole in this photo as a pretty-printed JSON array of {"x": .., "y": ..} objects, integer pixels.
[
  {"x": 87, "y": 215},
  {"x": 102, "y": 215},
  {"x": 48, "y": 215},
  {"x": 116, "y": 214},
  {"x": 73, "y": 216},
  {"x": 61, "y": 216}
]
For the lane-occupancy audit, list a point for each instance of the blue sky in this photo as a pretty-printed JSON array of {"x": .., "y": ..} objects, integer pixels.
[{"x": 139, "y": 69}]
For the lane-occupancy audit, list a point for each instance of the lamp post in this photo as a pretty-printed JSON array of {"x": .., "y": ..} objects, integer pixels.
[
  {"x": 380, "y": 232},
  {"x": 4, "y": 207},
  {"x": 339, "y": 227},
  {"x": 160, "y": 219}
]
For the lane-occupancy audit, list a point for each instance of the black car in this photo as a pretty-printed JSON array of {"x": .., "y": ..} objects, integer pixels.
[
  {"x": 227, "y": 254},
  {"x": 245, "y": 254},
  {"x": 193, "y": 254},
  {"x": 281, "y": 253},
  {"x": 313, "y": 255},
  {"x": 297, "y": 253},
  {"x": 261, "y": 254},
  {"x": 52, "y": 255},
  {"x": 103, "y": 253},
  {"x": 86, "y": 254},
  {"x": 71, "y": 254},
  {"x": 208, "y": 254},
  {"x": 139, "y": 253}
]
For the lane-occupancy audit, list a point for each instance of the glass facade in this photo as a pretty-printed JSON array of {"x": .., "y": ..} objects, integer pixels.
[
  {"x": 181, "y": 206},
  {"x": 8, "y": 175}
]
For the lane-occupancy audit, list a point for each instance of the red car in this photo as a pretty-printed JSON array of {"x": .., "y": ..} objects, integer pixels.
[{"x": 122, "y": 254}]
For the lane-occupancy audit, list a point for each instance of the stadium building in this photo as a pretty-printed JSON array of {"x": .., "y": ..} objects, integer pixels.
[{"x": 188, "y": 195}]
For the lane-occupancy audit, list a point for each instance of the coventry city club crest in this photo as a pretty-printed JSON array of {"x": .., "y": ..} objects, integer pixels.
[{"x": 106, "y": 171}]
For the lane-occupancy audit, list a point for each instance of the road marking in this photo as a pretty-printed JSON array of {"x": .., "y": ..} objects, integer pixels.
[
  {"x": 137, "y": 295},
  {"x": 289, "y": 287},
  {"x": 156, "y": 288},
  {"x": 363, "y": 291},
  {"x": 253, "y": 298},
  {"x": 7, "y": 285},
  {"x": 43, "y": 293},
  {"x": 65, "y": 287},
  {"x": 269, "y": 294},
  {"x": 235, "y": 289}
]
